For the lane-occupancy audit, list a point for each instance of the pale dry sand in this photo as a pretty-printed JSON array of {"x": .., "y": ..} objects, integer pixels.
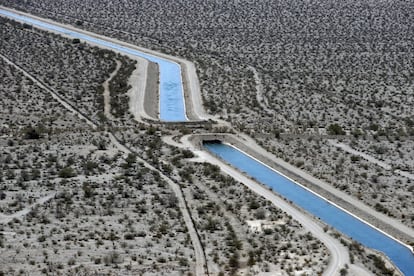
[{"x": 107, "y": 93}]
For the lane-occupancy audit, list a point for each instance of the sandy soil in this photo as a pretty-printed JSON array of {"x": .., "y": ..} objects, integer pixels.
[
  {"x": 6, "y": 218},
  {"x": 370, "y": 158},
  {"x": 136, "y": 94},
  {"x": 339, "y": 253},
  {"x": 200, "y": 260},
  {"x": 196, "y": 111},
  {"x": 261, "y": 99},
  {"x": 338, "y": 256},
  {"x": 194, "y": 103},
  {"x": 199, "y": 254},
  {"x": 194, "y": 106},
  {"x": 106, "y": 94},
  {"x": 151, "y": 97},
  {"x": 53, "y": 93},
  {"x": 386, "y": 221}
]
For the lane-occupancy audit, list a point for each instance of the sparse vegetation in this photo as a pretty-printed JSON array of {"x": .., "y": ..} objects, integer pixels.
[
  {"x": 99, "y": 207},
  {"x": 286, "y": 74}
]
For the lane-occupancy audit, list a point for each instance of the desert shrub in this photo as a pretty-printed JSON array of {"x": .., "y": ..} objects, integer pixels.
[
  {"x": 67, "y": 172},
  {"x": 335, "y": 129}
]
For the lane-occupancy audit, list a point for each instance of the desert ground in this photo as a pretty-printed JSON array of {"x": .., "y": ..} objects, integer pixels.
[
  {"x": 337, "y": 75},
  {"x": 298, "y": 94},
  {"x": 89, "y": 206}
]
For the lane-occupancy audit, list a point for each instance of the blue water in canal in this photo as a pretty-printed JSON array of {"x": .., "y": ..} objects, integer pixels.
[
  {"x": 172, "y": 106},
  {"x": 342, "y": 221}
]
